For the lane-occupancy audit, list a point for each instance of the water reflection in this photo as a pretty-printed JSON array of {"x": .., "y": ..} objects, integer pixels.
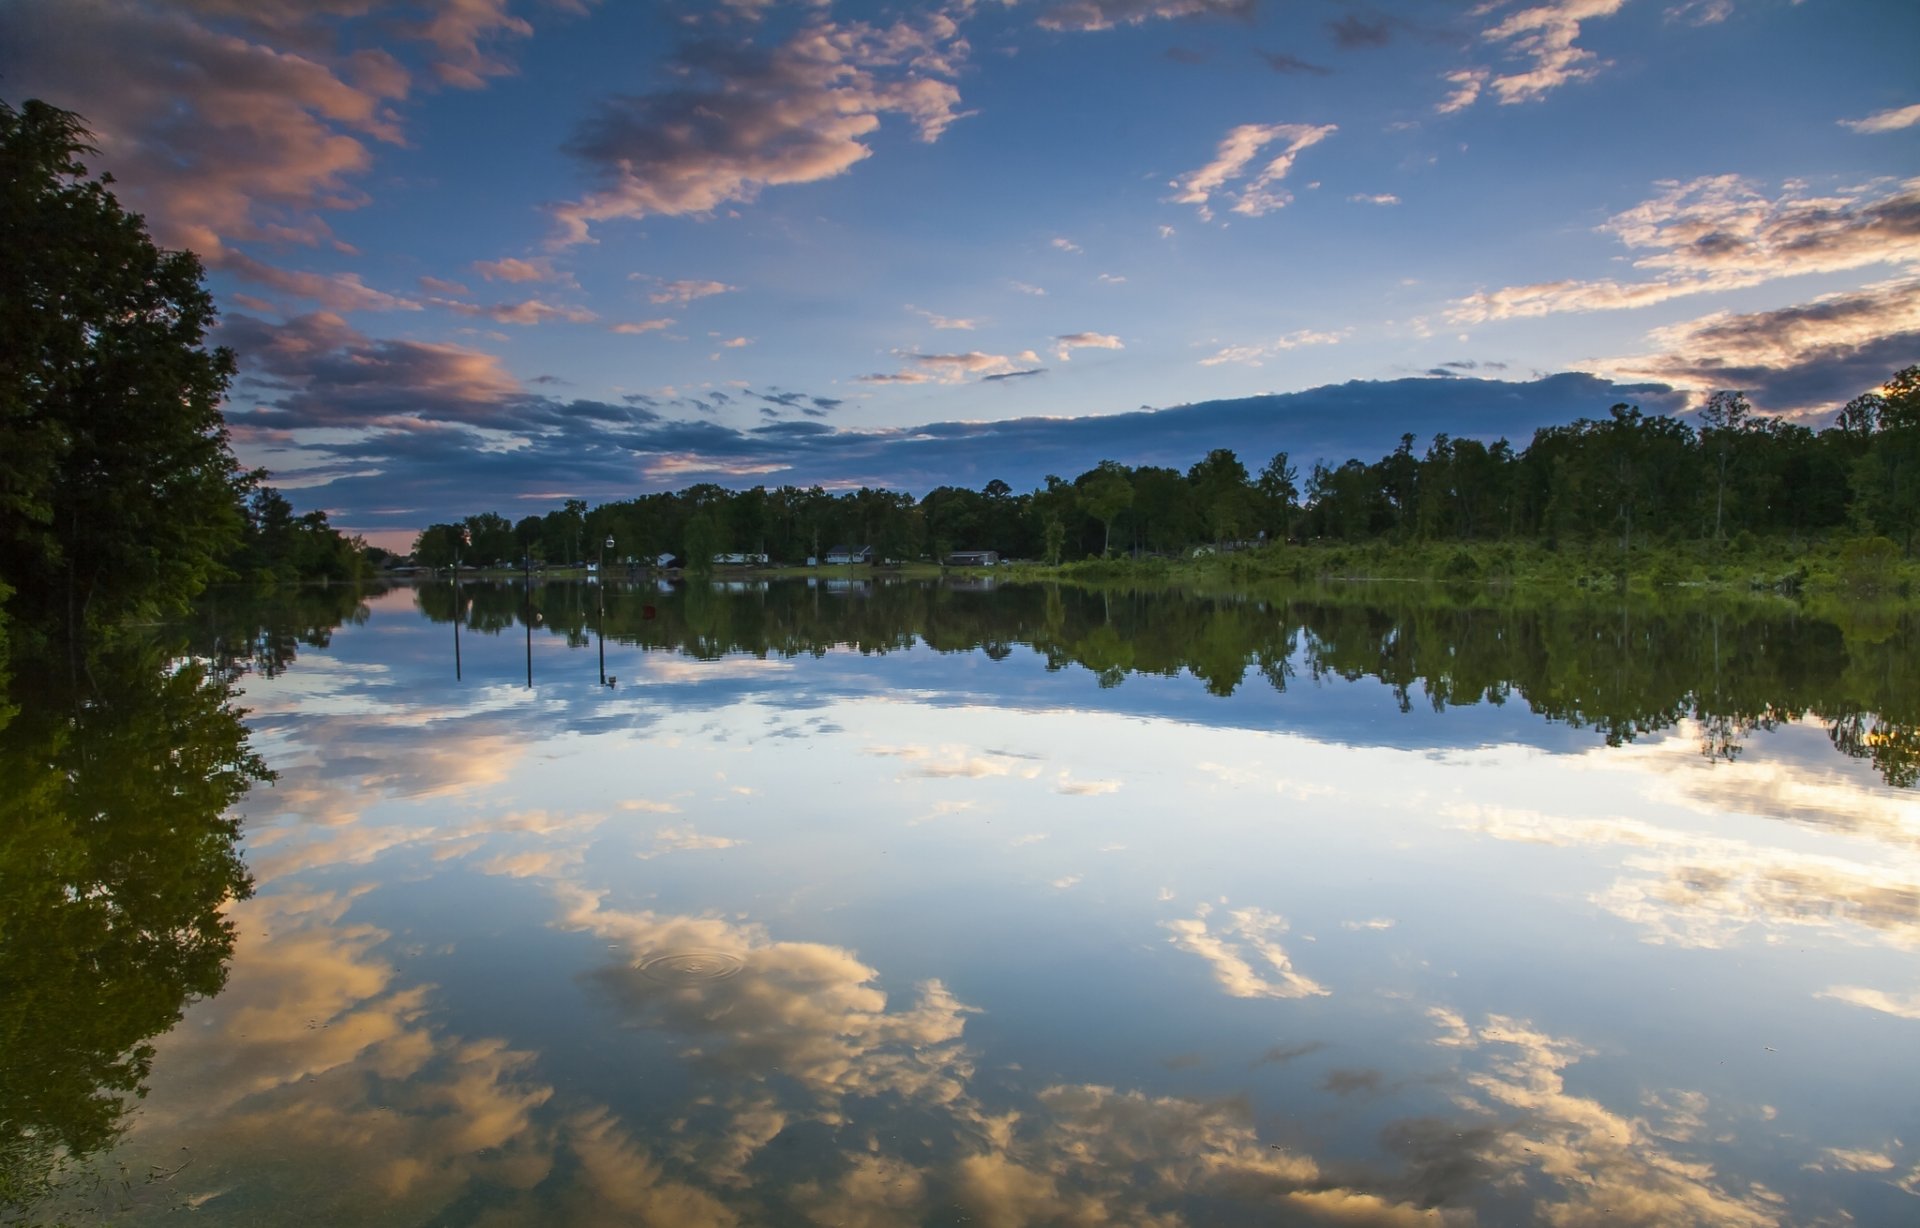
[
  {"x": 118, "y": 860},
  {"x": 946, "y": 930},
  {"x": 1623, "y": 669}
]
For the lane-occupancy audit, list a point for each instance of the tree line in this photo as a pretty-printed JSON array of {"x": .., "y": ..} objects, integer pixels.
[{"x": 1613, "y": 482}]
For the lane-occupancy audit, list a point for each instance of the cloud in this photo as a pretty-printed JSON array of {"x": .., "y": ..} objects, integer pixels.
[
  {"x": 954, "y": 368},
  {"x": 896, "y": 377},
  {"x": 1467, "y": 84},
  {"x": 940, "y": 321},
  {"x": 1013, "y": 374},
  {"x": 1807, "y": 358},
  {"x": 636, "y": 327},
  {"x": 747, "y": 119},
  {"x": 333, "y": 291},
  {"x": 1701, "y": 12},
  {"x": 1720, "y": 233},
  {"x": 437, "y": 285},
  {"x": 1065, "y": 245},
  {"x": 319, "y": 372},
  {"x": 1250, "y": 936},
  {"x": 1107, "y": 14},
  {"x": 1281, "y": 62},
  {"x": 1111, "y": 279},
  {"x": 1381, "y": 198},
  {"x": 1543, "y": 36},
  {"x": 687, "y": 290},
  {"x": 1361, "y": 30},
  {"x": 216, "y": 138},
  {"x": 227, "y": 124},
  {"x": 1063, "y": 346},
  {"x": 1886, "y": 121},
  {"x": 1255, "y": 194},
  {"x": 1024, "y": 288},
  {"x": 1255, "y": 355},
  {"x": 458, "y": 29},
  {"x": 514, "y": 269},
  {"x": 526, "y": 311}
]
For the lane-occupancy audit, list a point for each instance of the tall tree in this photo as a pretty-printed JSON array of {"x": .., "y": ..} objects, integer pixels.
[
  {"x": 118, "y": 491},
  {"x": 1725, "y": 420},
  {"x": 1106, "y": 492}
]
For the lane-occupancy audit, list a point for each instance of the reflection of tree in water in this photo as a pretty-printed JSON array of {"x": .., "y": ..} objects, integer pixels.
[
  {"x": 117, "y": 858},
  {"x": 1621, "y": 668},
  {"x": 245, "y": 630}
]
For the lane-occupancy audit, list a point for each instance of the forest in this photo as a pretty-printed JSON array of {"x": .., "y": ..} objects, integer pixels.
[{"x": 1601, "y": 484}]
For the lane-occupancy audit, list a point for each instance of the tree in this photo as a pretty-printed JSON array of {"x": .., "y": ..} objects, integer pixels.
[
  {"x": 119, "y": 494},
  {"x": 1106, "y": 493},
  {"x": 1221, "y": 491},
  {"x": 1279, "y": 487},
  {"x": 1726, "y": 418},
  {"x": 440, "y": 545}
]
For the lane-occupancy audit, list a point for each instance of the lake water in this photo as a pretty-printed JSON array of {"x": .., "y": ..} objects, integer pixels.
[{"x": 875, "y": 904}]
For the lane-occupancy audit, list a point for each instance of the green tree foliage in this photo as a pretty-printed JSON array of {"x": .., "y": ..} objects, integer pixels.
[
  {"x": 441, "y": 545},
  {"x": 118, "y": 492},
  {"x": 279, "y": 547},
  {"x": 1107, "y": 492}
]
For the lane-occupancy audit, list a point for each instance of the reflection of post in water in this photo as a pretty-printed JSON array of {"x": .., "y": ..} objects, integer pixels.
[
  {"x": 456, "y": 618},
  {"x": 526, "y": 591}
]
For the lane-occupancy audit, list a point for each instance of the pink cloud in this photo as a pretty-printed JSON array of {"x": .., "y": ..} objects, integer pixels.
[{"x": 802, "y": 112}]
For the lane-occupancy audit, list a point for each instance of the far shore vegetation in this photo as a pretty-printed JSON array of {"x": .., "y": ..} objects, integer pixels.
[{"x": 1738, "y": 500}]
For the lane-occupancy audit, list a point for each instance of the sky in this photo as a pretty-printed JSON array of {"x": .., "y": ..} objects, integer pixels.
[{"x": 488, "y": 254}]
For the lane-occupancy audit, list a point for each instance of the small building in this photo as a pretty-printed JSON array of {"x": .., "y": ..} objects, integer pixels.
[
  {"x": 667, "y": 559},
  {"x": 974, "y": 558},
  {"x": 849, "y": 554}
]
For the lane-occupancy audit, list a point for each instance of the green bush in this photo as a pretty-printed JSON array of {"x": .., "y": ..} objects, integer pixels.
[{"x": 1868, "y": 564}]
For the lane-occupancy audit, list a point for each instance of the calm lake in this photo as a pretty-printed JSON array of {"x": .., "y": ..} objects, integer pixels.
[{"x": 872, "y": 903}]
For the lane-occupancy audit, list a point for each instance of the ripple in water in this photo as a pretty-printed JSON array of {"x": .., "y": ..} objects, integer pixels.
[{"x": 690, "y": 967}]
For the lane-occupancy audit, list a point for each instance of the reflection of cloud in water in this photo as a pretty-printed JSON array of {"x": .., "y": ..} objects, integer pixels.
[
  {"x": 1084, "y": 788},
  {"x": 803, "y": 1010},
  {"x": 684, "y": 839},
  {"x": 1703, "y": 891},
  {"x": 674, "y": 669},
  {"x": 281, "y": 852},
  {"x": 1098, "y": 1155},
  {"x": 948, "y": 762},
  {"x": 1247, "y": 935},
  {"x": 320, "y": 1061},
  {"x": 315, "y": 1061},
  {"x": 1901, "y": 1006},
  {"x": 1608, "y": 1169},
  {"x": 1791, "y": 773}
]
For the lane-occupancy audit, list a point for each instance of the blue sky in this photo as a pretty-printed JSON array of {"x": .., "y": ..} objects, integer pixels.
[{"x": 488, "y": 253}]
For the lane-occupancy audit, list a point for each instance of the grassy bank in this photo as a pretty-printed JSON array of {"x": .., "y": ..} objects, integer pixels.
[{"x": 1868, "y": 568}]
